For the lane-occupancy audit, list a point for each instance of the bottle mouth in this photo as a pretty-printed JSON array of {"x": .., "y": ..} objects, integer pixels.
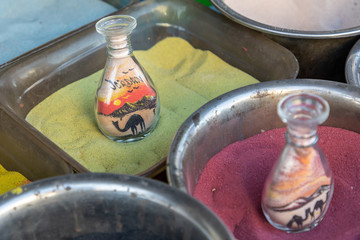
[
  {"x": 303, "y": 108},
  {"x": 116, "y": 25}
]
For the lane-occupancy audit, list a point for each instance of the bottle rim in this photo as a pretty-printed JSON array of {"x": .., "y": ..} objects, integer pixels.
[
  {"x": 116, "y": 25},
  {"x": 303, "y": 108}
]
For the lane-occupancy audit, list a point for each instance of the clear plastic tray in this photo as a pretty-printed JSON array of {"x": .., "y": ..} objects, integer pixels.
[{"x": 27, "y": 81}]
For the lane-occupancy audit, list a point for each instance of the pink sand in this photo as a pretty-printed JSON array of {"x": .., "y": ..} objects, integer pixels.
[{"x": 232, "y": 182}]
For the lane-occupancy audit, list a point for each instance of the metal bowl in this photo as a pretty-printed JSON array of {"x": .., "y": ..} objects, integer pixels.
[
  {"x": 321, "y": 53},
  {"x": 243, "y": 113},
  {"x": 105, "y": 206},
  {"x": 352, "y": 67}
]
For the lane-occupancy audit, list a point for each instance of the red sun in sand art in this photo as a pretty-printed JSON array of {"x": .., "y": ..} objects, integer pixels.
[{"x": 128, "y": 97}]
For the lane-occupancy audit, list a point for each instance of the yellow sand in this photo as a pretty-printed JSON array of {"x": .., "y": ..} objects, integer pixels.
[
  {"x": 186, "y": 78},
  {"x": 10, "y": 180}
]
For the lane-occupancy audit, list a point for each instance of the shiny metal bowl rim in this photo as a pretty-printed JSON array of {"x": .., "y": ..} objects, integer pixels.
[
  {"x": 284, "y": 32},
  {"x": 352, "y": 65},
  {"x": 109, "y": 184}
]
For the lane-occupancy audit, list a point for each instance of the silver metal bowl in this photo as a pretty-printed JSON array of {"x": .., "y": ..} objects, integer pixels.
[
  {"x": 244, "y": 112},
  {"x": 352, "y": 67},
  {"x": 105, "y": 206},
  {"x": 321, "y": 53}
]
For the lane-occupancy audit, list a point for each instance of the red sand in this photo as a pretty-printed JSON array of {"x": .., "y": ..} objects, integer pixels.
[{"x": 231, "y": 185}]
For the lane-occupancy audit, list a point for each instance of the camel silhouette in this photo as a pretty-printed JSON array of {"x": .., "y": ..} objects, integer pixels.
[
  {"x": 132, "y": 124},
  {"x": 319, "y": 205},
  {"x": 299, "y": 220}
]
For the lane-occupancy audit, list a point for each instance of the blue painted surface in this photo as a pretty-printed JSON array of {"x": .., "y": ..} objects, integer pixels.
[{"x": 27, "y": 24}]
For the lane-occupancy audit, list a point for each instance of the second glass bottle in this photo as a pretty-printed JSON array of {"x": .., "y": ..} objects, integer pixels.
[{"x": 299, "y": 188}]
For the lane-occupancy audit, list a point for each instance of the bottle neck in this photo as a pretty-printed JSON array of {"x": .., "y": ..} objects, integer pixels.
[
  {"x": 302, "y": 113},
  {"x": 301, "y": 135},
  {"x": 119, "y": 46}
]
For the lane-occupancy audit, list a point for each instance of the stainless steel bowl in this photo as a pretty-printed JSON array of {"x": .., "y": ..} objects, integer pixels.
[
  {"x": 321, "y": 53},
  {"x": 105, "y": 206},
  {"x": 352, "y": 67},
  {"x": 244, "y": 112}
]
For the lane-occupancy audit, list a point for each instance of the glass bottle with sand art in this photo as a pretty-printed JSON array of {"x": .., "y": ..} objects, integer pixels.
[
  {"x": 127, "y": 105},
  {"x": 299, "y": 188}
]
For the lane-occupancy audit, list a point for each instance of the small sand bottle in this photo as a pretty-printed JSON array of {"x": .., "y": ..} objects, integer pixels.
[
  {"x": 299, "y": 188},
  {"x": 127, "y": 105}
]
